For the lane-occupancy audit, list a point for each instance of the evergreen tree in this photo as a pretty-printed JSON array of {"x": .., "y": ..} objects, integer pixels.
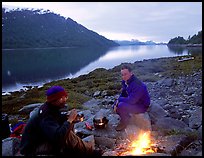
[
  {"x": 195, "y": 39},
  {"x": 38, "y": 28},
  {"x": 177, "y": 40}
]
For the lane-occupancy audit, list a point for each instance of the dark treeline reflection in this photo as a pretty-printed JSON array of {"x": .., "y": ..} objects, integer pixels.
[
  {"x": 195, "y": 51},
  {"x": 38, "y": 65},
  {"x": 179, "y": 50}
]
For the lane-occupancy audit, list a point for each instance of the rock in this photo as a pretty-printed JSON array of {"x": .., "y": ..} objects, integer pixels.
[
  {"x": 200, "y": 133},
  {"x": 198, "y": 100},
  {"x": 168, "y": 124},
  {"x": 104, "y": 93},
  {"x": 168, "y": 143},
  {"x": 199, "y": 153},
  {"x": 195, "y": 121},
  {"x": 114, "y": 119},
  {"x": 28, "y": 108},
  {"x": 156, "y": 112},
  {"x": 105, "y": 141},
  {"x": 97, "y": 93},
  {"x": 33, "y": 112},
  {"x": 110, "y": 153},
  {"x": 156, "y": 154},
  {"x": 131, "y": 132},
  {"x": 10, "y": 146},
  {"x": 142, "y": 121},
  {"x": 182, "y": 144},
  {"x": 175, "y": 115},
  {"x": 90, "y": 139},
  {"x": 92, "y": 105},
  {"x": 166, "y": 82},
  {"x": 103, "y": 113}
]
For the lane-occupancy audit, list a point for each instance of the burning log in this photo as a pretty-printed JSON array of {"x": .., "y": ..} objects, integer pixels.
[
  {"x": 139, "y": 146},
  {"x": 146, "y": 151}
]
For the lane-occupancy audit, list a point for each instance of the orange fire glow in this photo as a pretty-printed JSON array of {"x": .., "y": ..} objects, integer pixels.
[{"x": 141, "y": 146}]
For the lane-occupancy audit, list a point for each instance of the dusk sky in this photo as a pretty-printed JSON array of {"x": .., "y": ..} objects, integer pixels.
[{"x": 156, "y": 21}]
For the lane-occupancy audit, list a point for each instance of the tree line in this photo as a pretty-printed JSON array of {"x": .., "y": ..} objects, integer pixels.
[
  {"x": 24, "y": 28},
  {"x": 195, "y": 39}
]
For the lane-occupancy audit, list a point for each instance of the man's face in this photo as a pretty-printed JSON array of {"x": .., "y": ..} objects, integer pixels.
[
  {"x": 126, "y": 74},
  {"x": 62, "y": 101}
]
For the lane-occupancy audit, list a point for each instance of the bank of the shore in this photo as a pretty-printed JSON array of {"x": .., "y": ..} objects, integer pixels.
[
  {"x": 186, "y": 45},
  {"x": 83, "y": 88},
  {"x": 174, "y": 117}
]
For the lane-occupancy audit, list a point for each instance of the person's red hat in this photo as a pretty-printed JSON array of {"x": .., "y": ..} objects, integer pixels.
[{"x": 55, "y": 92}]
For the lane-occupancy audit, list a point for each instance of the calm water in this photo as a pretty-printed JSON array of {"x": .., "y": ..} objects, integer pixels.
[{"x": 34, "y": 67}]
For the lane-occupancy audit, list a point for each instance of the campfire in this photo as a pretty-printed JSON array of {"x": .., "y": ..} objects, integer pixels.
[{"x": 141, "y": 145}]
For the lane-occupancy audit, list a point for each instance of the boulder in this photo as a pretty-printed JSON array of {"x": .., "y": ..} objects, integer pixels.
[
  {"x": 141, "y": 120},
  {"x": 10, "y": 146},
  {"x": 195, "y": 121},
  {"x": 105, "y": 141},
  {"x": 90, "y": 139},
  {"x": 156, "y": 112},
  {"x": 28, "y": 108},
  {"x": 168, "y": 124}
]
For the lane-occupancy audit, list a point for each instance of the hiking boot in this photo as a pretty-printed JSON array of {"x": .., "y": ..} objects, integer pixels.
[{"x": 120, "y": 126}]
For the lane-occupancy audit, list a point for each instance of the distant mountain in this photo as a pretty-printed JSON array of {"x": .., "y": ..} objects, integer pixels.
[
  {"x": 136, "y": 42},
  {"x": 38, "y": 29}
]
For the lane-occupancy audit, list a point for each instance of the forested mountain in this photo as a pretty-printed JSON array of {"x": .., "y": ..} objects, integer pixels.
[
  {"x": 38, "y": 28},
  {"x": 195, "y": 39}
]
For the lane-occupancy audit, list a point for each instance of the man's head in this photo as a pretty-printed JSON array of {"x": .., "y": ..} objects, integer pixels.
[
  {"x": 57, "y": 96},
  {"x": 126, "y": 72}
]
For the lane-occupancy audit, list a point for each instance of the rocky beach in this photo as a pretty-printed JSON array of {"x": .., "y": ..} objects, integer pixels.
[{"x": 174, "y": 118}]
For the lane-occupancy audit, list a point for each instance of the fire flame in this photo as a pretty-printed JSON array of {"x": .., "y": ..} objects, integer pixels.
[{"x": 141, "y": 145}]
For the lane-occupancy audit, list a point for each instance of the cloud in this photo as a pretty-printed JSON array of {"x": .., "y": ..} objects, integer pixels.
[{"x": 159, "y": 21}]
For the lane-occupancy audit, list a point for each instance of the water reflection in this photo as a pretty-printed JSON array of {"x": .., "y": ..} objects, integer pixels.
[
  {"x": 179, "y": 50},
  {"x": 195, "y": 51},
  {"x": 118, "y": 54},
  {"x": 176, "y": 49},
  {"x": 38, "y": 66},
  {"x": 43, "y": 65}
]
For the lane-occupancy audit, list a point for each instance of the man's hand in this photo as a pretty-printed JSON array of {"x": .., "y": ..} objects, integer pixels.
[{"x": 72, "y": 115}]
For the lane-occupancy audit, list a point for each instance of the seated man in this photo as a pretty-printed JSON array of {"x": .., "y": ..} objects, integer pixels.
[
  {"x": 134, "y": 97},
  {"x": 48, "y": 132}
]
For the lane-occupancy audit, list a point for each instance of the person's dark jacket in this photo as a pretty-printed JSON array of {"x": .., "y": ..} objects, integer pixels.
[
  {"x": 134, "y": 92},
  {"x": 46, "y": 126}
]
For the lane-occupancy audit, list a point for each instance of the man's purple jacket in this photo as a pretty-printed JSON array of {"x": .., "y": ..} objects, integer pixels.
[{"x": 135, "y": 92}]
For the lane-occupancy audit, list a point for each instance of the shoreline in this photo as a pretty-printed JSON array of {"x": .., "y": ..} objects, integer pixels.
[
  {"x": 24, "y": 87},
  {"x": 107, "y": 81},
  {"x": 185, "y": 45},
  {"x": 175, "y": 89}
]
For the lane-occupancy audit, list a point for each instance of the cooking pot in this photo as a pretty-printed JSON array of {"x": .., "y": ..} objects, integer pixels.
[{"x": 100, "y": 123}]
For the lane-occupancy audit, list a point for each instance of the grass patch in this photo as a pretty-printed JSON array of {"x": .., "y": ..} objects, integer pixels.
[
  {"x": 192, "y": 134},
  {"x": 76, "y": 100}
]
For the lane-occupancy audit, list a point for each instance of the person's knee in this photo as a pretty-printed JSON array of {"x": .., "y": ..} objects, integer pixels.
[{"x": 121, "y": 107}]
